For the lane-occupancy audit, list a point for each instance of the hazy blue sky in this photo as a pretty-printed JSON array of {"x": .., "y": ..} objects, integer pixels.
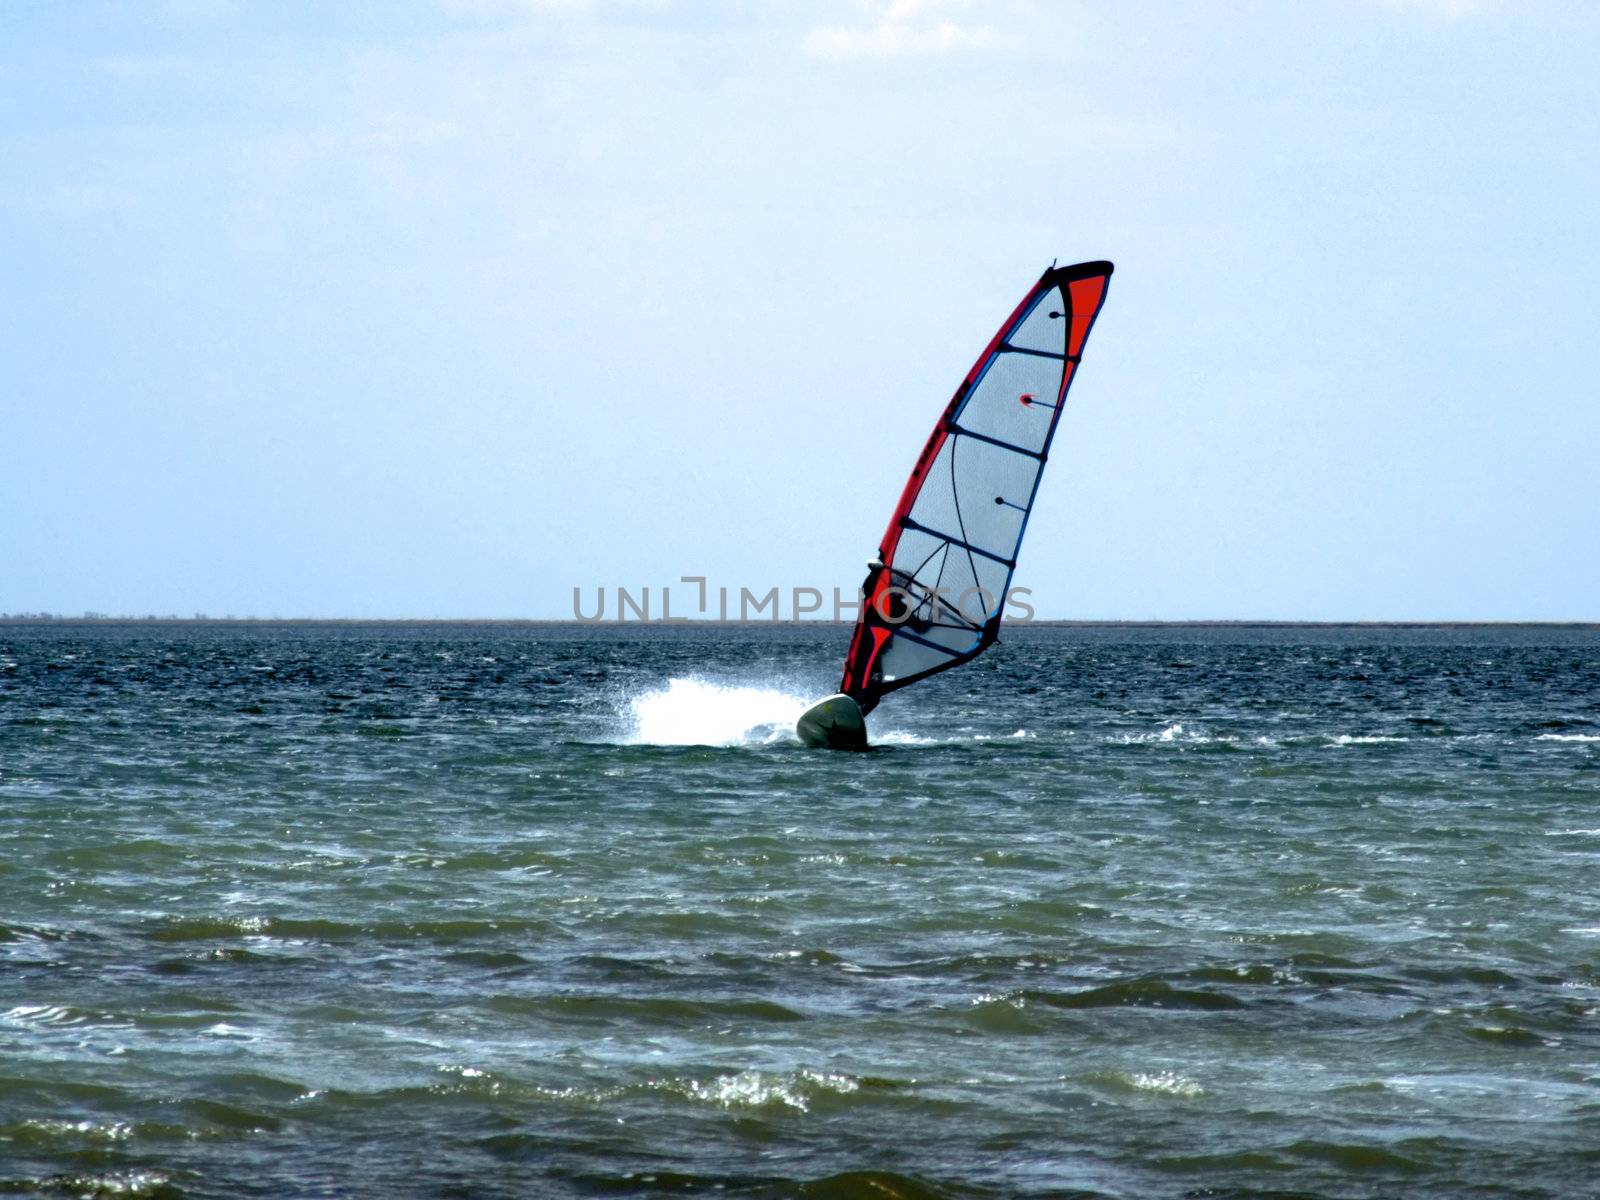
[{"x": 440, "y": 309}]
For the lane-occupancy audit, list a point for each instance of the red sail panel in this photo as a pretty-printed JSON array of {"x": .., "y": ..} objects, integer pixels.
[{"x": 937, "y": 592}]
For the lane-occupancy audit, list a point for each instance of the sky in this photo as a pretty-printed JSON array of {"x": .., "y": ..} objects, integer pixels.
[{"x": 444, "y": 309}]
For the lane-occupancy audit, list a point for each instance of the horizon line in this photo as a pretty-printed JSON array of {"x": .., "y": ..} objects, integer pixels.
[{"x": 693, "y": 622}]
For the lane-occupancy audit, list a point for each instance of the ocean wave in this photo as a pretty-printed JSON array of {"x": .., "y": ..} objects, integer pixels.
[
  {"x": 844, "y": 1185},
  {"x": 796, "y": 1090},
  {"x": 115, "y": 1183},
  {"x": 50, "y": 1130},
  {"x": 1180, "y": 733},
  {"x": 1173, "y": 732},
  {"x": 869, "y": 1185},
  {"x": 318, "y": 929},
  {"x": 1355, "y": 1156},
  {"x": 1002, "y": 1013},
  {"x": 648, "y": 1010},
  {"x": 800, "y": 1090},
  {"x": 1156, "y": 1083},
  {"x": 24, "y": 1015},
  {"x": 1138, "y": 993},
  {"x": 897, "y": 737}
]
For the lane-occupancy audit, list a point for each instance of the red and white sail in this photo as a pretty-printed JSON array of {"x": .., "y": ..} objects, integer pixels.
[{"x": 951, "y": 546}]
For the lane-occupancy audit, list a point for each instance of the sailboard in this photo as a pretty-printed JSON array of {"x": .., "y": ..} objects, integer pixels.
[{"x": 935, "y": 595}]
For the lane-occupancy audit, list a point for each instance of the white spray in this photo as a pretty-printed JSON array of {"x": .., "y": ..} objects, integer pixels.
[{"x": 694, "y": 712}]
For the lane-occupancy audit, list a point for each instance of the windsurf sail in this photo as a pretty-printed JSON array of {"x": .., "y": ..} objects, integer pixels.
[{"x": 935, "y": 595}]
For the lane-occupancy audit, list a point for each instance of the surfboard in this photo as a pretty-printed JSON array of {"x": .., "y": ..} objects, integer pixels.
[
  {"x": 835, "y": 723},
  {"x": 934, "y": 597}
]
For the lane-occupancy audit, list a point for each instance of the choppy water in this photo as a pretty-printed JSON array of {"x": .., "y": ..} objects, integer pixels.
[{"x": 370, "y": 911}]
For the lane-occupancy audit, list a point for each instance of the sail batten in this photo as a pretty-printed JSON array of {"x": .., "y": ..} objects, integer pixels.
[
  {"x": 908, "y": 523},
  {"x": 993, "y": 441},
  {"x": 952, "y": 542}
]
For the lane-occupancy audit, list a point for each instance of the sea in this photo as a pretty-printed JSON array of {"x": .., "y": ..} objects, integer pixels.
[{"x": 522, "y": 910}]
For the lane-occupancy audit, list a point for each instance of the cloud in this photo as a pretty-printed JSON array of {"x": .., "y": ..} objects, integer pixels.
[
  {"x": 495, "y": 9},
  {"x": 906, "y": 28},
  {"x": 81, "y": 200},
  {"x": 1449, "y": 10}
]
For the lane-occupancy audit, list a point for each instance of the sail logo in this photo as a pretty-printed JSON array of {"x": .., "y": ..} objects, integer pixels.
[{"x": 909, "y": 605}]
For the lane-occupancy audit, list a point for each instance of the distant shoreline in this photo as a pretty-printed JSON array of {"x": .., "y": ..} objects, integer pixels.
[{"x": 8, "y": 620}]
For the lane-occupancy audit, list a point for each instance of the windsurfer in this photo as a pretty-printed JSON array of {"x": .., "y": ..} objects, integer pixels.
[
  {"x": 897, "y": 607},
  {"x": 912, "y": 621}
]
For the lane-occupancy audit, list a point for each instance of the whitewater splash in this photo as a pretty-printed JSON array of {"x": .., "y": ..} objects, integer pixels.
[
  {"x": 690, "y": 711},
  {"x": 696, "y": 712}
]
